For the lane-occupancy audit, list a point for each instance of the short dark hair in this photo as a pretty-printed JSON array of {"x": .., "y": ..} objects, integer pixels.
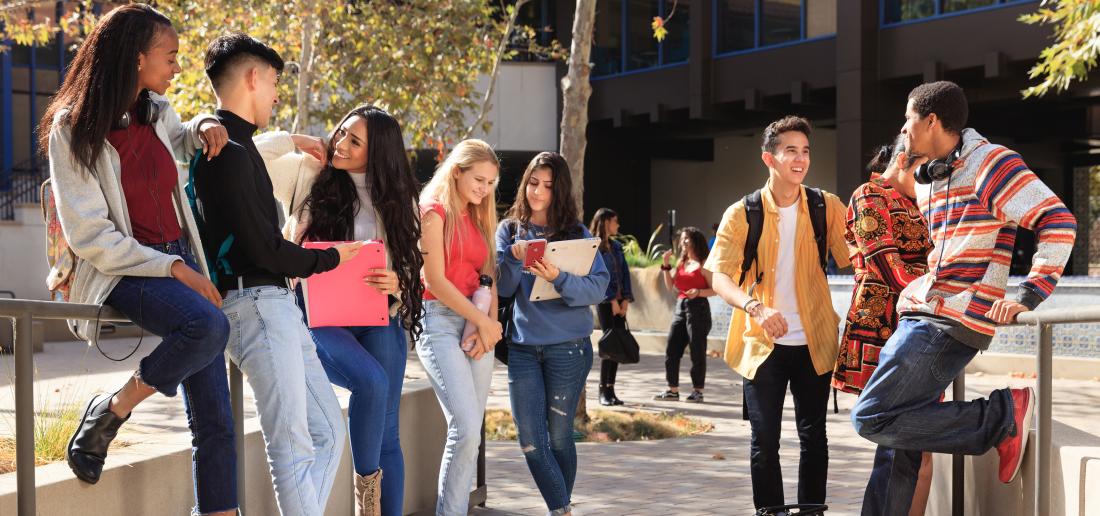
[
  {"x": 227, "y": 51},
  {"x": 783, "y": 125},
  {"x": 944, "y": 98}
]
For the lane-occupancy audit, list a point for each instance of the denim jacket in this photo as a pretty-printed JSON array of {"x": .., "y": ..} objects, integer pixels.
[{"x": 619, "y": 286}]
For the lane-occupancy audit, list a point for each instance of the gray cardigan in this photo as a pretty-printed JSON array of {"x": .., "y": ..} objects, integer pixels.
[{"x": 96, "y": 223}]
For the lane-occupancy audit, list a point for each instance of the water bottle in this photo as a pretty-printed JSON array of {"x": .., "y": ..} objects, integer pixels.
[{"x": 483, "y": 300}]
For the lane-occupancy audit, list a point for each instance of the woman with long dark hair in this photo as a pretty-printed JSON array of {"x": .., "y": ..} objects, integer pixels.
[
  {"x": 691, "y": 322},
  {"x": 550, "y": 350},
  {"x": 364, "y": 191},
  {"x": 612, "y": 311},
  {"x": 113, "y": 142}
]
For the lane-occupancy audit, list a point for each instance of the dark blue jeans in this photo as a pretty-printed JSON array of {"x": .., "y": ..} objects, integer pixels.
[
  {"x": 193, "y": 335},
  {"x": 545, "y": 384},
  {"x": 369, "y": 361},
  {"x": 765, "y": 394},
  {"x": 899, "y": 411}
]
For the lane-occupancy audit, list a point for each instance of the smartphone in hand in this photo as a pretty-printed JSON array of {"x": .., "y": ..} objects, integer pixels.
[{"x": 536, "y": 249}]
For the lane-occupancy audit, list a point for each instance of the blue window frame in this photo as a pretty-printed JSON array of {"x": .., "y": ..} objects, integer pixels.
[
  {"x": 623, "y": 41},
  {"x": 899, "y": 12},
  {"x": 749, "y": 25}
]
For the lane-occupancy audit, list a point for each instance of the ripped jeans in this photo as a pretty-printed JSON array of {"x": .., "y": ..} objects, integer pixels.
[{"x": 545, "y": 383}]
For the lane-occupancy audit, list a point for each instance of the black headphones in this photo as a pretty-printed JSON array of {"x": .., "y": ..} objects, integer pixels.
[
  {"x": 147, "y": 111},
  {"x": 938, "y": 169}
]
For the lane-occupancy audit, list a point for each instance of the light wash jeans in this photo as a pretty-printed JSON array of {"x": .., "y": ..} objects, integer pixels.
[
  {"x": 462, "y": 386},
  {"x": 300, "y": 416}
]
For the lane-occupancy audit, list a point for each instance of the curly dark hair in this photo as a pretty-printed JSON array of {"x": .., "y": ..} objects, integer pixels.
[
  {"x": 698, "y": 244},
  {"x": 333, "y": 202},
  {"x": 561, "y": 221},
  {"x": 944, "y": 98},
  {"x": 783, "y": 125},
  {"x": 102, "y": 81}
]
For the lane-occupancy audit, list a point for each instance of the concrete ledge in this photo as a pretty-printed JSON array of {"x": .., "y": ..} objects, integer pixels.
[
  {"x": 154, "y": 477},
  {"x": 1074, "y": 482}
]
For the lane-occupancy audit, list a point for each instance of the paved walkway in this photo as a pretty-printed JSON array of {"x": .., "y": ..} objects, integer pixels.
[{"x": 705, "y": 474}]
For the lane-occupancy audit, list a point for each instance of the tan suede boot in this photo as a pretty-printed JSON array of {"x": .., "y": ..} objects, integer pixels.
[{"x": 368, "y": 494}]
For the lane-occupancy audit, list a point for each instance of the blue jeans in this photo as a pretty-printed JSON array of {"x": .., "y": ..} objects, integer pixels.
[
  {"x": 899, "y": 410},
  {"x": 300, "y": 417},
  {"x": 545, "y": 384},
  {"x": 193, "y": 334},
  {"x": 462, "y": 386},
  {"x": 369, "y": 361}
]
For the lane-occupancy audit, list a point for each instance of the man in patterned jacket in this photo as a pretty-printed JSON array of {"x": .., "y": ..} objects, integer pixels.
[{"x": 979, "y": 193}]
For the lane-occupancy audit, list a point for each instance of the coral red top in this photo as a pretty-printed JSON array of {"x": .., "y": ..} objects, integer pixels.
[
  {"x": 465, "y": 255},
  {"x": 685, "y": 281}
]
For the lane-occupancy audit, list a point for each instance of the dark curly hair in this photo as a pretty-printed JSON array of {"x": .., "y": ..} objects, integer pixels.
[
  {"x": 561, "y": 221},
  {"x": 698, "y": 244},
  {"x": 333, "y": 202},
  {"x": 944, "y": 98}
]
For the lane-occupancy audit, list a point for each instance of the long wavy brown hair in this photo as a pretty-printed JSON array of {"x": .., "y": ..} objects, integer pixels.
[{"x": 561, "y": 220}]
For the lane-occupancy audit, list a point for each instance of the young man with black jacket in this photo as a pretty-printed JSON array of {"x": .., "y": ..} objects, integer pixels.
[{"x": 302, "y": 424}]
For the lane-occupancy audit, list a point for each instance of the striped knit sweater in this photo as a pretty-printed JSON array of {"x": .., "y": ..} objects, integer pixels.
[{"x": 974, "y": 215}]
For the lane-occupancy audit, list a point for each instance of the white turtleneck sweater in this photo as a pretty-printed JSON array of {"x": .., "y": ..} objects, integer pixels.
[{"x": 366, "y": 222}]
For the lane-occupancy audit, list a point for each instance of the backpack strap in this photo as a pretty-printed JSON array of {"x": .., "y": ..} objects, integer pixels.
[
  {"x": 816, "y": 201},
  {"x": 754, "y": 213}
]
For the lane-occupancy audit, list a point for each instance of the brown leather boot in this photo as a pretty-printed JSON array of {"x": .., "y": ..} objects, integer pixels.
[{"x": 368, "y": 494}]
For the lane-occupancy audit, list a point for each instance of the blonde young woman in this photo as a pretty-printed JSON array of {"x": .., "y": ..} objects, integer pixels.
[{"x": 458, "y": 220}]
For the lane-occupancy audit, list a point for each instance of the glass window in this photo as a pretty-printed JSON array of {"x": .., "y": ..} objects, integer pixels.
[
  {"x": 607, "y": 43},
  {"x": 641, "y": 45},
  {"x": 950, "y": 6},
  {"x": 820, "y": 18},
  {"x": 736, "y": 25},
  {"x": 781, "y": 21},
  {"x": 677, "y": 45},
  {"x": 905, "y": 10}
]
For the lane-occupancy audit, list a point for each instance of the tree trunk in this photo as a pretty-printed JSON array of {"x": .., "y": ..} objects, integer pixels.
[
  {"x": 305, "y": 71},
  {"x": 575, "y": 92}
]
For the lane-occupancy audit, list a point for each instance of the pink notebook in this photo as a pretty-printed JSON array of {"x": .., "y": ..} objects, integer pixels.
[{"x": 340, "y": 297}]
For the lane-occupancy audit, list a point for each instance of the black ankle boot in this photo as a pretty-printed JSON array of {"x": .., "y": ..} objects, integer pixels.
[
  {"x": 606, "y": 395},
  {"x": 88, "y": 447},
  {"x": 614, "y": 398}
]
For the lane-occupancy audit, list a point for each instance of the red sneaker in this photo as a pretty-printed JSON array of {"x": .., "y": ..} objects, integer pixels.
[{"x": 1011, "y": 448}]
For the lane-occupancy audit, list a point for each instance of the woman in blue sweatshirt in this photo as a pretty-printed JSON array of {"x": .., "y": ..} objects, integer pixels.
[{"x": 551, "y": 349}]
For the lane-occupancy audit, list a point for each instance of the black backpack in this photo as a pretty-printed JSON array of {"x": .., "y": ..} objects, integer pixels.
[{"x": 754, "y": 212}]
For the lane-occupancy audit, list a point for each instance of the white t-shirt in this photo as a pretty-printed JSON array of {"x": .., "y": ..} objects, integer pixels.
[
  {"x": 366, "y": 223},
  {"x": 785, "y": 300}
]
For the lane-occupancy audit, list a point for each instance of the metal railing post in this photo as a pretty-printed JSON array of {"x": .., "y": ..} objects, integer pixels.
[
  {"x": 958, "y": 460},
  {"x": 24, "y": 414},
  {"x": 236, "y": 397},
  {"x": 1043, "y": 429}
]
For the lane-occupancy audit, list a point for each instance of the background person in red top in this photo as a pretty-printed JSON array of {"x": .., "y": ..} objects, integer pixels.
[
  {"x": 691, "y": 321},
  {"x": 458, "y": 227}
]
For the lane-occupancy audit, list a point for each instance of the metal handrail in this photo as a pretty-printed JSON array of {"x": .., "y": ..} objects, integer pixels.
[
  {"x": 24, "y": 312},
  {"x": 1043, "y": 322}
]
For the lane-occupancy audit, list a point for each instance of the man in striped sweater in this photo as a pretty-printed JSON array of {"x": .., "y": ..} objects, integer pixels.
[{"x": 973, "y": 207}]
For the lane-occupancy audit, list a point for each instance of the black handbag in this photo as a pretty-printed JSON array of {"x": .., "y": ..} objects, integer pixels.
[{"x": 619, "y": 345}]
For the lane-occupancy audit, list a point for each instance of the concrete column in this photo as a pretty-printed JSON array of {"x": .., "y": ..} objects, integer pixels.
[{"x": 857, "y": 91}]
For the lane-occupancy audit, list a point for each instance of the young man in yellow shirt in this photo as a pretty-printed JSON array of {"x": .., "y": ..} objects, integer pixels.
[{"x": 785, "y": 330}]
